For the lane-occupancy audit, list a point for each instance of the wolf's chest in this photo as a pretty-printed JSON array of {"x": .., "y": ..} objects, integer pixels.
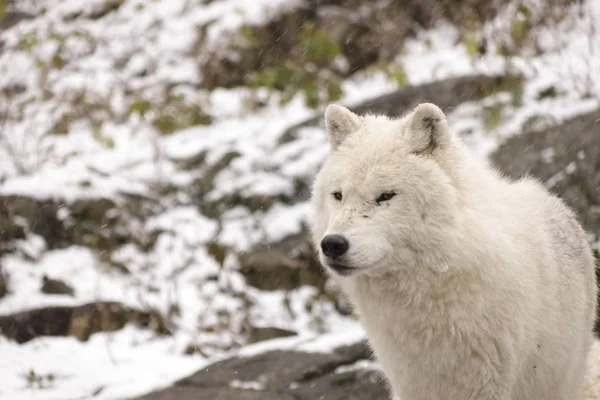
[{"x": 408, "y": 316}]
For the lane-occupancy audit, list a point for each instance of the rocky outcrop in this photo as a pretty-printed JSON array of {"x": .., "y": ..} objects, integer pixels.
[
  {"x": 56, "y": 286},
  {"x": 78, "y": 321},
  {"x": 3, "y": 283},
  {"x": 13, "y": 17},
  {"x": 345, "y": 373},
  {"x": 566, "y": 157},
  {"x": 259, "y": 334},
  {"x": 61, "y": 224},
  {"x": 319, "y": 32},
  {"x": 98, "y": 223},
  {"x": 446, "y": 93},
  {"x": 285, "y": 265}
]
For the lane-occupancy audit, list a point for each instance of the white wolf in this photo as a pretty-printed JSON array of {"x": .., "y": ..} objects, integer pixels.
[{"x": 469, "y": 286}]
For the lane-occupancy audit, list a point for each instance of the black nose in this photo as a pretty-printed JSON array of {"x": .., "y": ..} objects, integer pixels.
[{"x": 334, "y": 245}]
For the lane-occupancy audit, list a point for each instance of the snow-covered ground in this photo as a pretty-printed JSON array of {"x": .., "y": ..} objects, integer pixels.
[{"x": 156, "y": 37}]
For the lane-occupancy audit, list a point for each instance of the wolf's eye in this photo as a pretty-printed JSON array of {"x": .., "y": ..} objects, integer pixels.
[
  {"x": 385, "y": 196},
  {"x": 337, "y": 196}
]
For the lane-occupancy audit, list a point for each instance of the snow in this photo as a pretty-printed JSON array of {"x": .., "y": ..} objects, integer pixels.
[
  {"x": 147, "y": 47},
  {"x": 109, "y": 366}
]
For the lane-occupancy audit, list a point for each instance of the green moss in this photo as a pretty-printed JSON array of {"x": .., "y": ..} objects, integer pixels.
[
  {"x": 492, "y": 116},
  {"x": 519, "y": 29},
  {"x": 471, "y": 29},
  {"x": 306, "y": 72},
  {"x": 63, "y": 125},
  {"x": 398, "y": 74},
  {"x": 334, "y": 90},
  {"x": 165, "y": 123},
  {"x": 518, "y": 32},
  {"x": 511, "y": 83},
  {"x": 537, "y": 122},
  {"x": 472, "y": 43},
  {"x": 139, "y": 106},
  {"x": 58, "y": 37},
  {"x": 57, "y": 62},
  {"x": 172, "y": 116},
  {"x": 105, "y": 141},
  {"x": 29, "y": 41},
  {"x": 173, "y": 119},
  {"x": 248, "y": 33},
  {"x": 288, "y": 79},
  {"x": 318, "y": 46}
]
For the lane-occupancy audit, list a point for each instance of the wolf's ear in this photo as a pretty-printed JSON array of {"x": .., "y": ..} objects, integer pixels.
[
  {"x": 340, "y": 123},
  {"x": 427, "y": 129}
]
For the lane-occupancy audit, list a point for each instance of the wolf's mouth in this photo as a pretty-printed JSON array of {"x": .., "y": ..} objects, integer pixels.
[{"x": 341, "y": 269}]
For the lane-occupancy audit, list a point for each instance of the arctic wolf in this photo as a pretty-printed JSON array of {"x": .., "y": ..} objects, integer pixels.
[{"x": 469, "y": 286}]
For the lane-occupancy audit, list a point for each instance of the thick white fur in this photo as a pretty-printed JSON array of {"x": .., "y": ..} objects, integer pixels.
[
  {"x": 469, "y": 286},
  {"x": 592, "y": 385}
]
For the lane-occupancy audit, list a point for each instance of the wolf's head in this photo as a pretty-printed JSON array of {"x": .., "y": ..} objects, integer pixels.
[{"x": 386, "y": 195}]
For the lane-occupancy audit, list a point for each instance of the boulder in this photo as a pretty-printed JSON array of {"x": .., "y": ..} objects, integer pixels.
[
  {"x": 262, "y": 333},
  {"x": 86, "y": 221},
  {"x": 345, "y": 373},
  {"x": 447, "y": 93},
  {"x": 284, "y": 265},
  {"x": 566, "y": 157},
  {"x": 3, "y": 283},
  {"x": 102, "y": 224},
  {"x": 78, "y": 321},
  {"x": 56, "y": 286},
  {"x": 316, "y": 33},
  {"x": 12, "y": 18}
]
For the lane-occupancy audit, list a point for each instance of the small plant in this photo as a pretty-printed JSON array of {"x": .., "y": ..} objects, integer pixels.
[
  {"x": 317, "y": 87},
  {"x": 318, "y": 47},
  {"x": 174, "y": 114},
  {"x": 519, "y": 30},
  {"x": 398, "y": 74},
  {"x": 35, "y": 380},
  {"x": 492, "y": 115},
  {"x": 309, "y": 73},
  {"x": 29, "y": 41},
  {"x": 471, "y": 37},
  {"x": 104, "y": 140},
  {"x": 139, "y": 106}
]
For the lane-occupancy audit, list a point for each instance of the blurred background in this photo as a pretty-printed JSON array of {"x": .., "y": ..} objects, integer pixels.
[{"x": 156, "y": 158}]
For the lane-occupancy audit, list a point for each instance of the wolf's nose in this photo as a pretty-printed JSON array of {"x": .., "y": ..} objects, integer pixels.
[{"x": 334, "y": 246}]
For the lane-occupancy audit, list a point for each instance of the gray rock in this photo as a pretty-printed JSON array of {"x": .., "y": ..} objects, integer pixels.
[
  {"x": 446, "y": 94},
  {"x": 566, "y": 157},
  {"x": 42, "y": 217},
  {"x": 285, "y": 265},
  {"x": 283, "y": 375},
  {"x": 77, "y": 321},
  {"x": 12, "y": 18},
  {"x": 358, "y": 29},
  {"x": 56, "y": 286},
  {"x": 259, "y": 334},
  {"x": 3, "y": 283}
]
